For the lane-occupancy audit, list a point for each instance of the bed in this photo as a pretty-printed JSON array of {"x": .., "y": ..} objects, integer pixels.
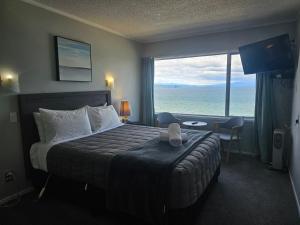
[{"x": 190, "y": 178}]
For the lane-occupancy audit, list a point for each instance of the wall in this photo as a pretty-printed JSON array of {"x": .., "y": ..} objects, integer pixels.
[
  {"x": 295, "y": 155},
  {"x": 27, "y": 48},
  {"x": 215, "y": 43}
]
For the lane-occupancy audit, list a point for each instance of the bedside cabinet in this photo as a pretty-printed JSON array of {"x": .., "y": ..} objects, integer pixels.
[{"x": 134, "y": 122}]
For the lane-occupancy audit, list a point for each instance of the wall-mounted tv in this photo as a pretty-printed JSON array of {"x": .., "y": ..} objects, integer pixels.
[{"x": 274, "y": 54}]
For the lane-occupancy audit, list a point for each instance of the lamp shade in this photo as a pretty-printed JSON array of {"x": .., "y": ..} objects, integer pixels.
[{"x": 124, "y": 108}]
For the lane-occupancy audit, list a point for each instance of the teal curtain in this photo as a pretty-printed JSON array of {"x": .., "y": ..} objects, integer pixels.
[
  {"x": 265, "y": 115},
  {"x": 148, "y": 91}
]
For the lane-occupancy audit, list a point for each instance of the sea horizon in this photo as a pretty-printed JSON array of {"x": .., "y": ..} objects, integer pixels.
[{"x": 206, "y": 99}]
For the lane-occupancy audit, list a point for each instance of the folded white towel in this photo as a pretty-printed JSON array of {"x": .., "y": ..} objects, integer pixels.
[
  {"x": 164, "y": 136},
  {"x": 174, "y": 134}
]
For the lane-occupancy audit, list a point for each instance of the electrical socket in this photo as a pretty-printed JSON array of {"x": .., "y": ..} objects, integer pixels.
[
  {"x": 13, "y": 118},
  {"x": 9, "y": 176}
]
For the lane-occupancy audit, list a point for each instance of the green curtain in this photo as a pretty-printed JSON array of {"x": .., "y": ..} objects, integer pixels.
[
  {"x": 148, "y": 91},
  {"x": 265, "y": 115}
]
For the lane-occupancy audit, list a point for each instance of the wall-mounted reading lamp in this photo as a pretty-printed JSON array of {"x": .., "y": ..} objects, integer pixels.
[
  {"x": 109, "y": 82},
  {"x": 9, "y": 82}
]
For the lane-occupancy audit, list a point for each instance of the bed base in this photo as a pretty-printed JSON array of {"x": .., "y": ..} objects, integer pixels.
[
  {"x": 87, "y": 194},
  {"x": 189, "y": 215}
]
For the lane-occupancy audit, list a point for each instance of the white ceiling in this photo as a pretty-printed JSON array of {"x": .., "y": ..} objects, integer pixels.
[{"x": 155, "y": 20}]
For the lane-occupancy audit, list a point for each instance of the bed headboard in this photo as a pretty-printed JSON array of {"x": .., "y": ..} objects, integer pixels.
[{"x": 29, "y": 103}]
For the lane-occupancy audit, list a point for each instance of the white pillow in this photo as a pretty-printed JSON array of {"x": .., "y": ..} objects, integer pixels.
[
  {"x": 94, "y": 116},
  {"x": 97, "y": 107},
  {"x": 103, "y": 118},
  {"x": 39, "y": 125},
  {"x": 109, "y": 118},
  {"x": 61, "y": 125}
]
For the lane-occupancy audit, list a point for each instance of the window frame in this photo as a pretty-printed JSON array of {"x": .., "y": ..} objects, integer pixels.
[{"x": 227, "y": 87}]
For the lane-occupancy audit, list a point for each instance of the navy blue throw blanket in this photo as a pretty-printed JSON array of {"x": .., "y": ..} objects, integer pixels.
[{"x": 139, "y": 179}]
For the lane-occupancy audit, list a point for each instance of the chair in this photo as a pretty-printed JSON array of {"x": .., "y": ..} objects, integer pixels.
[
  {"x": 165, "y": 118},
  {"x": 229, "y": 131}
]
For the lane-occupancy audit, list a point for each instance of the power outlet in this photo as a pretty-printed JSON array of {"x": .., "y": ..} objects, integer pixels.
[
  {"x": 13, "y": 118},
  {"x": 9, "y": 176}
]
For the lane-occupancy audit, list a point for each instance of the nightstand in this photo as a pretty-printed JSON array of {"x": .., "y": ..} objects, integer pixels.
[{"x": 134, "y": 122}]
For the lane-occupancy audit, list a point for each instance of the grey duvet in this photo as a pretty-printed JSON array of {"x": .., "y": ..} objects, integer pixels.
[{"x": 88, "y": 160}]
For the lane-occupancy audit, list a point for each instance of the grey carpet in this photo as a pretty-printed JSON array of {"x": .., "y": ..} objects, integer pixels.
[{"x": 247, "y": 194}]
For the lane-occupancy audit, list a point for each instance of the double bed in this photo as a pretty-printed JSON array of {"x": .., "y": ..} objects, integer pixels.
[{"x": 88, "y": 159}]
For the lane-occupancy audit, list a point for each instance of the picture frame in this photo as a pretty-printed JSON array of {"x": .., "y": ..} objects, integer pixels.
[{"x": 73, "y": 60}]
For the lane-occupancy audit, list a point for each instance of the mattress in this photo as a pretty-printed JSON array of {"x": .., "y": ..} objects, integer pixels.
[{"x": 189, "y": 178}]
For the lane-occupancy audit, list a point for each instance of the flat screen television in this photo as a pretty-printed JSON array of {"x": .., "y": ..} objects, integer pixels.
[{"x": 274, "y": 54}]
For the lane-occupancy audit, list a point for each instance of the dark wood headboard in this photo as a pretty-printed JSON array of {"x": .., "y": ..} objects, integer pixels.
[{"x": 29, "y": 103}]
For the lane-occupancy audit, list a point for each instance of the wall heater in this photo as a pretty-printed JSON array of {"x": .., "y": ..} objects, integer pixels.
[{"x": 278, "y": 149}]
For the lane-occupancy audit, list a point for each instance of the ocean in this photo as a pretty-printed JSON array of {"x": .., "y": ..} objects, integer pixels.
[{"x": 204, "y": 100}]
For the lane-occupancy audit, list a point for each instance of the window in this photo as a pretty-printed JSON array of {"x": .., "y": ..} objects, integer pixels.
[
  {"x": 198, "y": 85},
  {"x": 242, "y": 90}
]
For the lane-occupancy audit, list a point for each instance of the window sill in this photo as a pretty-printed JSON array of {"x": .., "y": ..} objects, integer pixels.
[{"x": 247, "y": 118}]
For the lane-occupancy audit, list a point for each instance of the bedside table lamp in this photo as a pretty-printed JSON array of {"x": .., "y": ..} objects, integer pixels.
[{"x": 124, "y": 110}]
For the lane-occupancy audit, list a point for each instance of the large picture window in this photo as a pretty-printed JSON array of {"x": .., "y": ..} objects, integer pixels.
[{"x": 205, "y": 85}]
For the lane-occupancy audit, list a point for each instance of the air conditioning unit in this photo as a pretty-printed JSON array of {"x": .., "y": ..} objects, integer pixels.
[{"x": 278, "y": 149}]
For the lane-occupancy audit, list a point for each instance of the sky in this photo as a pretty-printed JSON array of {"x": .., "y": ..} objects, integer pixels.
[{"x": 203, "y": 70}]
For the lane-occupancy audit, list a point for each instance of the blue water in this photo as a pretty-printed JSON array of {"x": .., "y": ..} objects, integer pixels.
[{"x": 204, "y": 100}]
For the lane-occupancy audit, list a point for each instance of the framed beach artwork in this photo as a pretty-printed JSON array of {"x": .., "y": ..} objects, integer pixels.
[{"x": 73, "y": 60}]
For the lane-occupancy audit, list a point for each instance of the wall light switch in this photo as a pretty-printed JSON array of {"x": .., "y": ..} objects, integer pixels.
[{"x": 13, "y": 118}]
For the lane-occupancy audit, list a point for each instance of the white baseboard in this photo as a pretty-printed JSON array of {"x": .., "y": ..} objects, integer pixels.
[
  {"x": 295, "y": 194},
  {"x": 13, "y": 196}
]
